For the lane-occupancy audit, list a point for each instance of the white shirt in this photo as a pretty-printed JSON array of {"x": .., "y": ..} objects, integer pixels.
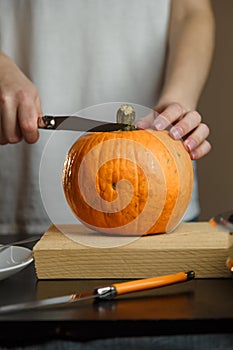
[{"x": 78, "y": 53}]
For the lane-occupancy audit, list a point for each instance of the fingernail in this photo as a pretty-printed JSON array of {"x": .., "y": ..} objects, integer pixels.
[
  {"x": 190, "y": 144},
  {"x": 160, "y": 123},
  {"x": 194, "y": 155},
  {"x": 176, "y": 132},
  {"x": 140, "y": 125}
]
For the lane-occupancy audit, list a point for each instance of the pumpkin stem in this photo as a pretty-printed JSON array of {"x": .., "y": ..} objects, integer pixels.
[{"x": 126, "y": 115}]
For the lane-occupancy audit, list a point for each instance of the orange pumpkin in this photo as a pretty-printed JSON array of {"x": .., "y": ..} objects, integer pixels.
[{"x": 128, "y": 182}]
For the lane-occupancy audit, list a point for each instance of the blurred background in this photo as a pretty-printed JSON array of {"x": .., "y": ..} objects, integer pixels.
[{"x": 215, "y": 171}]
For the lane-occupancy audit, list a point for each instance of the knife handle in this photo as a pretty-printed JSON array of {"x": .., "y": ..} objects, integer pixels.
[
  {"x": 142, "y": 284},
  {"x": 150, "y": 283},
  {"x": 47, "y": 122}
]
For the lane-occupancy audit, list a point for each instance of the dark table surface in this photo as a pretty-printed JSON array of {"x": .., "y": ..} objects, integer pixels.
[{"x": 194, "y": 307}]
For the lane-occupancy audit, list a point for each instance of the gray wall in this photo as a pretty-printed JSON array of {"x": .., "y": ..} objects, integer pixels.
[{"x": 215, "y": 171}]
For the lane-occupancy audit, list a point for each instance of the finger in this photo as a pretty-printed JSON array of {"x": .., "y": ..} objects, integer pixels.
[
  {"x": 9, "y": 127},
  {"x": 38, "y": 106},
  {"x": 189, "y": 122},
  {"x": 147, "y": 121},
  {"x": 197, "y": 137},
  {"x": 40, "y": 122},
  {"x": 170, "y": 114},
  {"x": 28, "y": 116},
  {"x": 3, "y": 140},
  {"x": 201, "y": 150}
]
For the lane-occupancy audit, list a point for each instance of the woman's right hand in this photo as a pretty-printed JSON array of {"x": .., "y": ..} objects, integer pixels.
[{"x": 20, "y": 105}]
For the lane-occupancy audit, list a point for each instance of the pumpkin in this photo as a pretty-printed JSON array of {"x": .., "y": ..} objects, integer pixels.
[{"x": 133, "y": 182}]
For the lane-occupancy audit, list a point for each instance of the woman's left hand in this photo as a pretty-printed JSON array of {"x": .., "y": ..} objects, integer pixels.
[{"x": 185, "y": 124}]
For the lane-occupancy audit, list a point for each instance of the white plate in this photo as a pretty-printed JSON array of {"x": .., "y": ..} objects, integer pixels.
[{"x": 13, "y": 260}]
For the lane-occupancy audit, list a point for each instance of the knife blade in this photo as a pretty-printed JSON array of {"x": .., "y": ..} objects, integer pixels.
[
  {"x": 108, "y": 293},
  {"x": 76, "y": 123},
  {"x": 23, "y": 241}
]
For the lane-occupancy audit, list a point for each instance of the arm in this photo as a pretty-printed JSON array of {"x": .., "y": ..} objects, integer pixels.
[
  {"x": 190, "y": 50},
  {"x": 191, "y": 43},
  {"x": 19, "y": 104}
]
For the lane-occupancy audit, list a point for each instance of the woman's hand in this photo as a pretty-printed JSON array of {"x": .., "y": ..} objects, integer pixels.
[
  {"x": 20, "y": 105},
  {"x": 185, "y": 124}
]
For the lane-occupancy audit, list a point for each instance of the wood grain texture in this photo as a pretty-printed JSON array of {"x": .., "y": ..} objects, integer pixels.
[{"x": 192, "y": 246}]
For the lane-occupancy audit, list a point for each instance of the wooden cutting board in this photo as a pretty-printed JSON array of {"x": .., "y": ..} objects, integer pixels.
[{"x": 192, "y": 246}]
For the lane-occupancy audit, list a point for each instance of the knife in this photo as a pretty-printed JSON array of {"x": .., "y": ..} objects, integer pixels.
[
  {"x": 23, "y": 241},
  {"x": 76, "y": 123},
  {"x": 223, "y": 220},
  {"x": 107, "y": 293}
]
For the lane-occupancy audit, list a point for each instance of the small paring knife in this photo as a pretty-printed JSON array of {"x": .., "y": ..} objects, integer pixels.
[
  {"x": 125, "y": 118},
  {"x": 109, "y": 292},
  {"x": 225, "y": 221},
  {"x": 76, "y": 123}
]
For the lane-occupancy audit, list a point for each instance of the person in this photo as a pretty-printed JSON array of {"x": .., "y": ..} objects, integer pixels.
[{"x": 58, "y": 57}]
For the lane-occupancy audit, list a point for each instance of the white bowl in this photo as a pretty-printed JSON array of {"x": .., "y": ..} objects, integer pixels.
[{"x": 13, "y": 260}]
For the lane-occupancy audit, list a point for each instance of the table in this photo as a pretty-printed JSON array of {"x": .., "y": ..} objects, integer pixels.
[{"x": 199, "y": 306}]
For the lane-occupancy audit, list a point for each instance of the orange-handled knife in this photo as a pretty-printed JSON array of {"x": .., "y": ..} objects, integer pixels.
[
  {"x": 109, "y": 292},
  {"x": 225, "y": 221}
]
